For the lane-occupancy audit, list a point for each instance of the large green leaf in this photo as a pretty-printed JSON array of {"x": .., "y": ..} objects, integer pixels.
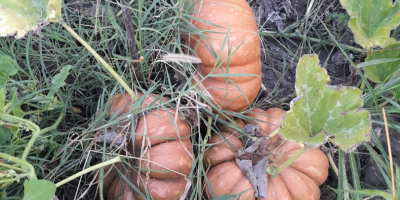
[
  {"x": 8, "y": 67},
  {"x": 39, "y": 190},
  {"x": 380, "y": 72},
  {"x": 322, "y": 112},
  {"x": 18, "y": 17},
  {"x": 372, "y": 20}
]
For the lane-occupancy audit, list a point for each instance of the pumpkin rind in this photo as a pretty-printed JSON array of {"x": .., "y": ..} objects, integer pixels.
[
  {"x": 317, "y": 170},
  {"x": 227, "y": 179},
  {"x": 299, "y": 185},
  {"x": 277, "y": 189},
  {"x": 160, "y": 189},
  {"x": 172, "y": 159},
  {"x": 159, "y": 126},
  {"x": 222, "y": 151},
  {"x": 120, "y": 188},
  {"x": 235, "y": 24},
  {"x": 169, "y": 145}
]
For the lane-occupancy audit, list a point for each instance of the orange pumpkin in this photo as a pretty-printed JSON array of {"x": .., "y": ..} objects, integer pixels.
[
  {"x": 163, "y": 145},
  {"x": 299, "y": 181},
  {"x": 230, "y": 30}
]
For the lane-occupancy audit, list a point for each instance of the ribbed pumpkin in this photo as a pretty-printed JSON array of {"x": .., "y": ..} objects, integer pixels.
[
  {"x": 299, "y": 181},
  {"x": 162, "y": 142},
  {"x": 230, "y": 31}
]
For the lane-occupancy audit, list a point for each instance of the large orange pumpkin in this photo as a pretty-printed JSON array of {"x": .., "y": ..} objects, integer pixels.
[
  {"x": 299, "y": 181},
  {"x": 230, "y": 32},
  {"x": 165, "y": 154}
]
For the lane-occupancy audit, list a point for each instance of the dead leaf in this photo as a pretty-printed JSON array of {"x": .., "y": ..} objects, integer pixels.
[{"x": 253, "y": 162}]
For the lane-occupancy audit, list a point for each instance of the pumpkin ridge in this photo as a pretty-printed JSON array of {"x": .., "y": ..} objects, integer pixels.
[
  {"x": 309, "y": 189},
  {"x": 168, "y": 164},
  {"x": 156, "y": 129}
]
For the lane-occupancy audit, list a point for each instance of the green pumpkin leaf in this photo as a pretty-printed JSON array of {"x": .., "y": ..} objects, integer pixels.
[
  {"x": 39, "y": 190},
  {"x": 8, "y": 67},
  {"x": 54, "y": 10},
  {"x": 58, "y": 80},
  {"x": 380, "y": 72},
  {"x": 18, "y": 17},
  {"x": 322, "y": 112},
  {"x": 372, "y": 20},
  {"x": 5, "y": 135}
]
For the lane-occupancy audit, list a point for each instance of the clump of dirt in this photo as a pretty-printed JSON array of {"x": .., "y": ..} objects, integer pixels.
[
  {"x": 279, "y": 70},
  {"x": 276, "y": 13}
]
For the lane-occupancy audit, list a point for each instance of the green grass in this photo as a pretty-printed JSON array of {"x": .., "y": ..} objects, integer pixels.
[{"x": 159, "y": 25}]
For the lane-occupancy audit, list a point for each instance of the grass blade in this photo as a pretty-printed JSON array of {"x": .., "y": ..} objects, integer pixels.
[{"x": 355, "y": 176}]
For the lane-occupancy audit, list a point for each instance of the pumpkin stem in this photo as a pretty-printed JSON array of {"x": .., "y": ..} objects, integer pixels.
[
  {"x": 271, "y": 171},
  {"x": 271, "y": 135}
]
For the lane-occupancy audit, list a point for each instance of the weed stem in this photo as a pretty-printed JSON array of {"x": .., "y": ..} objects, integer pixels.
[
  {"x": 8, "y": 180},
  {"x": 90, "y": 169},
  {"x": 203, "y": 147},
  {"x": 120, "y": 12},
  {"x": 390, "y": 154},
  {"x": 332, "y": 163},
  {"x": 54, "y": 126},
  {"x": 13, "y": 167},
  {"x": 24, "y": 165},
  {"x": 101, "y": 60}
]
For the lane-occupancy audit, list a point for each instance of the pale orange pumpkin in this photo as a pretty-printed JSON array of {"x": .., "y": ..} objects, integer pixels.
[
  {"x": 162, "y": 142},
  {"x": 230, "y": 30},
  {"x": 299, "y": 181}
]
